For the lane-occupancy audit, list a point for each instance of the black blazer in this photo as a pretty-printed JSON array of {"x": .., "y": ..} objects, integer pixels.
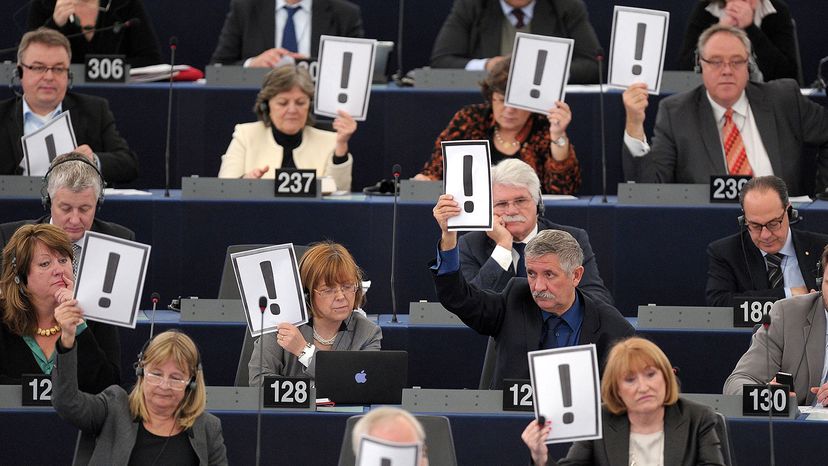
[
  {"x": 513, "y": 318},
  {"x": 480, "y": 270},
  {"x": 736, "y": 266},
  {"x": 99, "y": 226},
  {"x": 689, "y": 439},
  {"x": 94, "y": 125},
  {"x": 686, "y": 147},
  {"x": 138, "y": 42},
  {"x": 250, "y": 26},
  {"x": 774, "y": 44},
  {"x": 472, "y": 30}
]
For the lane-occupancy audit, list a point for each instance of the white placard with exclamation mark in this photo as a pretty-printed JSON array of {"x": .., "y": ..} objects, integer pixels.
[
  {"x": 346, "y": 66},
  {"x": 467, "y": 176},
  {"x": 565, "y": 385},
  {"x": 539, "y": 71},
  {"x": 271, "y": 273},
  {"x": 639, "y": 40},
  {"x": 378, "y": 452},
  {"x": 110, "y": 278},
  {"x": 42, "y": 146}
]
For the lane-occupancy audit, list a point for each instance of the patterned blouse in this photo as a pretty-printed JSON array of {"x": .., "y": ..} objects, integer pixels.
[{"x": 475, "y": 122}]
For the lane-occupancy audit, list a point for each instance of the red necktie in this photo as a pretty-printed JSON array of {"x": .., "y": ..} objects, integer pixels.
[{"x": 734, "y": 148}]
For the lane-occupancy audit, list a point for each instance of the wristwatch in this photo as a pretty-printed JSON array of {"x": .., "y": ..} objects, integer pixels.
[{"x": 561, "y": 141}]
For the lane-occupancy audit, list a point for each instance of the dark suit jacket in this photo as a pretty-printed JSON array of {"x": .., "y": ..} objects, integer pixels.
[
  {"x": 774, "y": 44},
  {"x": 138, "y": 42},
  {"x": 94, "y": 125},
  {"x": 514, "y": 320},
  {"x": 99, "y": 226},
  {"x": 736, "y": 266},
  {"x": 250, "y": 26},
  {"x": 689, "y": 439},
  {"x": 472, "y": 30},
  {"x": 686, "y": 147},
  {"x": 480, "y": 270}
]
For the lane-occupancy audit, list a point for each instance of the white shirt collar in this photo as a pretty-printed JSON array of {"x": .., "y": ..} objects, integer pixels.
[
  {"x": 763, "y": 8},
  {"x": 528, "y": 10},
  {"x": 28, "y": 111},
  {"x": 531, "y": 234},
  {"x": 741, "y": 107},
  {"x": 787, "y": 248},
  {"x": 306, "y": 5}
]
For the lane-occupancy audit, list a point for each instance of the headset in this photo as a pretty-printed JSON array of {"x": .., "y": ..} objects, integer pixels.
[
  {"x": 18, "y": 277},
  {"x": 793, "y": 217},
  {"x": 139, "y": 364},
  {"x": 17, "y": 74},
  {"x": 541, "y": 207},
  {"x": 46, "y": 200}
]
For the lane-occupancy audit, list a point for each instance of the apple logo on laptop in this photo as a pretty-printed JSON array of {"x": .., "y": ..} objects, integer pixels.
[{"x": 361, "y": 377}]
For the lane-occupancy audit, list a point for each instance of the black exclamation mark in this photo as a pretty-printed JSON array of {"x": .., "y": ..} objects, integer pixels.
[
  {"x": 639, "y": 47},
  {"x": 566, "y": 391},
  {"x": 109, "y": 278},
  {"x": 267, "y": 273},
  {"x": 50, "y": 147},
  {"x": 467, "y": 182},
  {"x": 346, "y": 76},
  {"x": 385, "y": 461},
  {"x": 540, "y": 64}
]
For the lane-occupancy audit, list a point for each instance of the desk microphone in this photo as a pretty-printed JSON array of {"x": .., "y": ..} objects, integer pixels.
[
  {"x": 766, "y": 322},
  {"x": 155, "y": 298},
  {"x": 599, "y": 56},
  {"x": 173, "y": 46},
  {"x": 396, "y": 169},
  {"x": 262, "y": 308}
]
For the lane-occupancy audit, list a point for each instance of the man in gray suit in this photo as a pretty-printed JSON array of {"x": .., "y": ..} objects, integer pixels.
[
  {"x": 794, "y": 343},
  {"x": 728, "y": 125}
]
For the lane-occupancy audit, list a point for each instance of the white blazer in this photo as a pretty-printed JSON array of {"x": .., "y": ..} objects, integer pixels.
[{"x": 253, "y": 146}]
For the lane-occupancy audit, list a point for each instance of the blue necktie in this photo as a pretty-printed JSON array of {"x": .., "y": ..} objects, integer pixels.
[
  {"x": 289, "y": 41},
  {"x": 520, "y": 270}
]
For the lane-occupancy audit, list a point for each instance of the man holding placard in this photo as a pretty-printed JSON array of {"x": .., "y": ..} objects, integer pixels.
[
  {"x": 479, "y": 33},
  {"x": 727, "y": 126},
  {"x": 43, "y": 59},
  {"x": 544, "y": 310}
]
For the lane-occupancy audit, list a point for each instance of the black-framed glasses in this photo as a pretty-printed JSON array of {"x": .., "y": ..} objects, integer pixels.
[
  {"x": 773, "y": 225},
  {"x": 43, "y": 69},
  {"x": 736, "y": 64}
]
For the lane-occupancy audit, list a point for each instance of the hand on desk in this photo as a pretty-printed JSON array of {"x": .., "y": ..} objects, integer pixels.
[
  {"x": 421, "y": 177},
  {"x": 271, "y": 57},
  {"x": 821, "y": 394},
  {"x": 257, "y": 173},
  {"x": 790, "y": 393}
]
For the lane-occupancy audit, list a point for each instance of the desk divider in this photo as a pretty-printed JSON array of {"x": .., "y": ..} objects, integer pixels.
[
  {"x": 687, "y": 317},
  {"x": 27, "y": 187},
  {"x": 416, "y": 190},
  {"x": 431, "y": 313},
  {"x": 245, "y": 399},
  {"x": 212, "y": 310},
  {"x": 452, "y": 401},
  {"x": 731, "y": 405},
  {"x": 235, "y": 76},
  {"x": 663, "y": 194},
  {"x": 440, "y": 78},
  {"x": 220, "y": 189}
]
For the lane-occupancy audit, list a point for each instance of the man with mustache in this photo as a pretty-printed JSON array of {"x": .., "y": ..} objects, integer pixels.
[
  {"x": 488, "y": 260},
  {"x": 543, "y": 310}
]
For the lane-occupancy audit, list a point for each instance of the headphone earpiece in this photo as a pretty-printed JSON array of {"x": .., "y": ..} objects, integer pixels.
[
  {"x": 541, "y": 206},
  {"x": 14, "y": 269},
  {"x": 46, "y": 200},
  {"x": 741, "y": 221},
  {"x": 71, "y": 77},
  {"x": 264, "y": 107},
  {"x": 696, "y": 62},
  {"x": 139, "y": 364},
  {"x": 18, "y": 72}
]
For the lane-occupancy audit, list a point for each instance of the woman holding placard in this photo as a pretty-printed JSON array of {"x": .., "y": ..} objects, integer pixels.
[
  {"x": 161, "y": 421},
  {"x": 38, "y": 309},
  {"x": 539, "y": 140},
  {"x": 333, "y": 290},
  {"x": 284, "y": 136},
  {"x": 643, "y": 417}
]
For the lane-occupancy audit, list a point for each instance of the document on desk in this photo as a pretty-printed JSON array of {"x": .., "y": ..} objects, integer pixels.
[
  {"x": 565, "y": 385},
  {"x": 467, "y": 176},
  {"x": 538, "y": 73},
  {"x": 639, "y": 40},
  {"x": 343, "y": 82},
  {"x": 814, "y": 413},
  {"x": 270, "y": 276},
  {"x": 110, "y": 279},
  {"x": 42, "y": 146}
]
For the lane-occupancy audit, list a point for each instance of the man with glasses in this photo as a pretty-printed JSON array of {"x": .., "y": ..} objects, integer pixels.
[
  {"x": 727, "y": 126},
  {"x": 488, "y": 260},
  {"x": 43, "y": 59},
  {"x": 767, "y": 258}
]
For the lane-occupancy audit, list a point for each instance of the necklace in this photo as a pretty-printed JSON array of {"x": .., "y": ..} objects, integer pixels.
[
  {"x": 47, "y": 332},
  {"x": 499, "y": 139},
  {"x": 324, "y": 341}
]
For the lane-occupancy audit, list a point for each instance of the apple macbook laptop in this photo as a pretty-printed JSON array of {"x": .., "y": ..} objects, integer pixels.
[{"x": 361, "y": 377}]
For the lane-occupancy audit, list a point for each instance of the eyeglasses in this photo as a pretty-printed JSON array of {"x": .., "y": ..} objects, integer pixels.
[
  {"x": 157, "y": 380},
  {"x": 519, "y": 203},
  {"x": 347, "y": 290},
  {"x": 773, "y": 225},
  {"x": 717, "y": 65},
  {"x": 42, "y": 69}
]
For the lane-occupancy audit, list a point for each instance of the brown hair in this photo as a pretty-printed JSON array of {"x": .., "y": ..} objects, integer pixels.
[
  {"x": 175, "y": 346},
  {"x": 633, "y": 354},
  {"x": 330, "y": 263},
  {"x": 496, "y": 80},
  {"x": 278, "y": 80},
  {"x": 45, "y": 36},
  {"x": 18, "y": 314}
]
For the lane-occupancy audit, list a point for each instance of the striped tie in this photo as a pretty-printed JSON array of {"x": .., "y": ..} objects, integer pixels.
[
  {"x": 75, "y": 259},
  {"x": 734, "y": 147},
  {"x": 774, "y": 262}
]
